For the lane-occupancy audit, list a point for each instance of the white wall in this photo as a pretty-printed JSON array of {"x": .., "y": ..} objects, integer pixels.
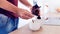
[{"x": 53, "y": 4}]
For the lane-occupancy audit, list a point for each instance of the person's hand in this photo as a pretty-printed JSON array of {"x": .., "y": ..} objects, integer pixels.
[
  {"x": 30, "y": 8},
  {"x": 25, "y": 14},
  {"x": 58, "y": 10}
]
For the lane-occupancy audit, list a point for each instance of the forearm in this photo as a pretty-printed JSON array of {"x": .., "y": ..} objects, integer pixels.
[
  {"x": 25, "y": 2},
  {"x": 8, "y": 6}
]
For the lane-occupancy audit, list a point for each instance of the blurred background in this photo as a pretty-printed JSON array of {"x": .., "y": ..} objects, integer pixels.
[{"x": 48, "y": 8}]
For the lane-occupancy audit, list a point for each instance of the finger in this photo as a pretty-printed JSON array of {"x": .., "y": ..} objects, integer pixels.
[
  {"x": 26, "y": 17},
  {"x": 29, "y": 15}
]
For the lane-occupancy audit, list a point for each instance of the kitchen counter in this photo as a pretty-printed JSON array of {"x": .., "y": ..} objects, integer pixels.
[{"x": 45, "y": 29}]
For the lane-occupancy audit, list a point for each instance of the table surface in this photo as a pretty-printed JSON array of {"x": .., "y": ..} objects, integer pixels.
[{"x": 45, "y": 29}]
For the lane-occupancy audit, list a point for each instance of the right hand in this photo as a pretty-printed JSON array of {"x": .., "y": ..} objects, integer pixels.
[{"x": 25, "y": 14}]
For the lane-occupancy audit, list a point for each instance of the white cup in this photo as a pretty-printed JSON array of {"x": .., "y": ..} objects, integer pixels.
[{"x": 35, "y": 24}]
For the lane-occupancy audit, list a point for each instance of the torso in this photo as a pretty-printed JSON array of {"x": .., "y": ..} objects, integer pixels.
[
  {"x": 15, "y": 2},
  {"x": 9, "y": 14}
]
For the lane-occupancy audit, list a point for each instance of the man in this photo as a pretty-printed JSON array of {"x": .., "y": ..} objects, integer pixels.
[{"x": 9, "y": 14}]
